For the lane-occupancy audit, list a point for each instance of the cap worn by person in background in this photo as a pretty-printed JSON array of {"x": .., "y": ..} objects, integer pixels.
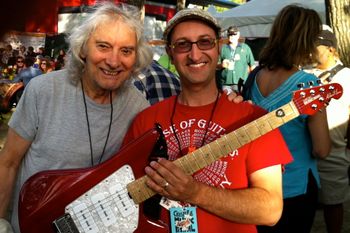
[
  {"x": 327, "y": 38},
  {"x": 328, "y": 62},
  {"x": 232, "y": 30}
]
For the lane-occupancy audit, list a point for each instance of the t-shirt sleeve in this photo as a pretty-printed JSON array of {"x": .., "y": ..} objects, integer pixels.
[
  {"x": 25, "y": 119},
  {"x": 268, "y": 150}
]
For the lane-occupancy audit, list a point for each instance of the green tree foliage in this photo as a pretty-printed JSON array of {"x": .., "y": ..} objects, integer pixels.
[{"x": 222, "y": 9}]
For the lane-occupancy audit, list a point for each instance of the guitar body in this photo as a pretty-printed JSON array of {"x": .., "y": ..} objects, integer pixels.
[{"x": 48, "y": 195}]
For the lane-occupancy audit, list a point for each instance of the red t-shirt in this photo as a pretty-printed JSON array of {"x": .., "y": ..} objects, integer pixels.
[{"x": 229, "y": 172}]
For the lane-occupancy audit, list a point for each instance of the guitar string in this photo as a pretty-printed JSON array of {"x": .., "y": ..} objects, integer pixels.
[{"x": 91, "y": 207}]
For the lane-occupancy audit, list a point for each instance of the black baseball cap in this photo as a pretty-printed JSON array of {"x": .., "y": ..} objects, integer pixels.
[
  {"x": 327, "y": 38},
  {"x": 232, "y": 30}
]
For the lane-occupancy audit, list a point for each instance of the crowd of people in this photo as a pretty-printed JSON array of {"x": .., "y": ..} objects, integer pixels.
[
  {"x": 82, "y": 115},
  {"x": 14, "y": 61}
]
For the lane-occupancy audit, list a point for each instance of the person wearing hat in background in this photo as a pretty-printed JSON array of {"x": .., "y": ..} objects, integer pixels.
[
  {"x": 334, "y": 169},
  {"x": 291, "y": 45},
  {"x": 236, "y": 61},
  {"x": 234, "y": 193}
]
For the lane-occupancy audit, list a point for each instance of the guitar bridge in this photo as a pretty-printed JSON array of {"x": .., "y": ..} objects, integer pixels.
[{"x": 65, "y": 224}]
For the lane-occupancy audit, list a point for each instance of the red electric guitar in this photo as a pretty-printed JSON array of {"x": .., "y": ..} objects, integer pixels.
[{"x": 108, "y": 197}]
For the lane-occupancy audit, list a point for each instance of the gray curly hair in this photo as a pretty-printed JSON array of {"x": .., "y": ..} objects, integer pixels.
[{"x": 106, "y": 11}]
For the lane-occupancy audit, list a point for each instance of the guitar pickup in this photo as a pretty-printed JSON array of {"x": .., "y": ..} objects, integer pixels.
[
  {"x": 65, "y": 224},
  {"x": 102, "y": 206},
  {"x": 122, "y": 200}
]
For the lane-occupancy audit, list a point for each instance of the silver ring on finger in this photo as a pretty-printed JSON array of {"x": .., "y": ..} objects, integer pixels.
[{"x": 166, "y": 185}]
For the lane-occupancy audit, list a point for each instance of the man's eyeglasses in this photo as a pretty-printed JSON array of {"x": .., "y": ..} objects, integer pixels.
[
  {"x": 43, "y": 63},
  {"x": 19, "y": 61},
  {"x": 184, "y": 46}
]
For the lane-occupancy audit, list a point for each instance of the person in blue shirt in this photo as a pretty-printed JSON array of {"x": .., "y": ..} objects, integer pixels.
[
  {"x": 292, "y": 44},
  {"x": 28, "y": 72}
]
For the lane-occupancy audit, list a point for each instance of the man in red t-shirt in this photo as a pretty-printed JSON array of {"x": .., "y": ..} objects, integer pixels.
[{"x": 238, "y": 188}]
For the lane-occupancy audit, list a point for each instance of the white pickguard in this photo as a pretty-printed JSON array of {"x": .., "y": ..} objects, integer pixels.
[{"x": 107, "y": 206}]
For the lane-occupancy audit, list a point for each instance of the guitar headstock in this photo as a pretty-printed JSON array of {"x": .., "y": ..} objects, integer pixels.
[{"x": 310, "y": 100}]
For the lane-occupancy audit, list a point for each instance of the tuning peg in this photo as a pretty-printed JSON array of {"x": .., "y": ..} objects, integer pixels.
[
  {"x": 319, "y": 82},
  {"x": 302, "y": 94},
  {"x": 322, "y": 89},
  {"x": 314, "y": 106}
]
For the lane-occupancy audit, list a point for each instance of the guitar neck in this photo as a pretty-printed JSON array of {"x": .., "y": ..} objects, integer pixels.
[{"x": 224, "y": 145}]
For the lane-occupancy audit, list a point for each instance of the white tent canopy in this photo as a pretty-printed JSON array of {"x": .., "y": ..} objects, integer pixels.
[{"x": 254, "y": 18}]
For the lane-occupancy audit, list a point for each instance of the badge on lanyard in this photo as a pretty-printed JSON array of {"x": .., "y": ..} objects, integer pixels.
[{"x": 183, "y": 219}]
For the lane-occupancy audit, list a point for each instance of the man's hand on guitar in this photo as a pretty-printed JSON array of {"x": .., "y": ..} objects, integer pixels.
[{"x": 170, "y": 181}]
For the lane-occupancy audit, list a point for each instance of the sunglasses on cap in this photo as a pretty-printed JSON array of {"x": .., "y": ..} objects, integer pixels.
[{"x": 184, "y": 46}]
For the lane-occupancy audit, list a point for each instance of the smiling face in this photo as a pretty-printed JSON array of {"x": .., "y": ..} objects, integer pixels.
[
  {"x": 110, "y": 55},
  {"x": 195, "y": 66}
]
